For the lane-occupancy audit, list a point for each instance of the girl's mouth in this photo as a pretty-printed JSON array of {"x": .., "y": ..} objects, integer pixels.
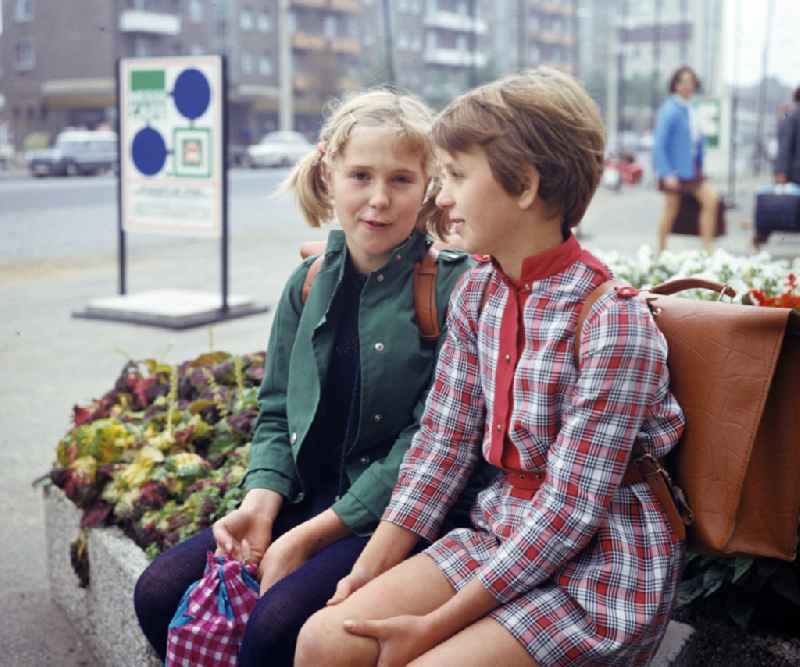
[{"x": 375, "y": 224}]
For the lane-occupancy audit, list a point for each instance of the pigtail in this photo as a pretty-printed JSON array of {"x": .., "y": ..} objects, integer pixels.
[{"x": 307, "y": 182}]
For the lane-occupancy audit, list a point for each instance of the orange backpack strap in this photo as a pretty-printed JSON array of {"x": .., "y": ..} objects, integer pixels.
[
  {"x": 313, "y": 270},
  {"x": 642, "y": 467},
  {"x": 599, "y": 291},
  {"x": 424, "y": 283},
  {"x": 425, "y": 296}
]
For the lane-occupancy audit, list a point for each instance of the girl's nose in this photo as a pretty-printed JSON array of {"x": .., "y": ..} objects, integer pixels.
[
  {"x": 443, "y": 199},
  {"x": 379, "y": 197}
]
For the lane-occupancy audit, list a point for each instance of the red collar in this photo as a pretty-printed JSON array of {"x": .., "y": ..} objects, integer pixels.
[{"x": 547, "y": 263}]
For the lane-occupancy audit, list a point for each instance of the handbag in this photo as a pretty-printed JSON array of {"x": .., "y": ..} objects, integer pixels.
[
  {"x": 735, "y": 371},
  {"x": 208, "y": 626},
  {"x": 687, "y": 221},
  {"x": 777, "y": 208}
]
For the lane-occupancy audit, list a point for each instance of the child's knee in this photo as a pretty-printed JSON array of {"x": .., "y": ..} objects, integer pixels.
[{"x": 324, "y": 641}]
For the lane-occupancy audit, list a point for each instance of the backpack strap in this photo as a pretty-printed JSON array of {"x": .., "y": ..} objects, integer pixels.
[
  {"x": 424, "y": 284},
  {"x": 642, "y": 466},
  {"x": 425, "y": 296}
]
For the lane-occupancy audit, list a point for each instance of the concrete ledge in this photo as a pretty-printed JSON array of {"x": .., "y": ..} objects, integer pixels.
[{"x": 103, "y": 612}]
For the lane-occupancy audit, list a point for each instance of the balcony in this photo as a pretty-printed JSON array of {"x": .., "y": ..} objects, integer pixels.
[
  {"x": 314, "y": 4},
  {"x": 151, "y": 23},
  {"x": 453, "y": 21},
  {"x": 455, "y": 58},
  {"x": 306, "y": 42},
  {"x": 347, "y": 45},
  {"x": 346, "y": 6},
  {"x": 551, "y": 37},
  {"x": 555, "y": 8}
]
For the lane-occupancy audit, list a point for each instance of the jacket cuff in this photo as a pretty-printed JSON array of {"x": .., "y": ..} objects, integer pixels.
[
  {"x": 268, "y": 479},
  {"x": 355, "y": 515}
]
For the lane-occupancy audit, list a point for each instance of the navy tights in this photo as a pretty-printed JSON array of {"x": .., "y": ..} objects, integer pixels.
[{"x": 279, "y": 614}]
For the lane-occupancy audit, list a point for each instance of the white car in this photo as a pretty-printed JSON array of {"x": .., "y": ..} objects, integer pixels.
[{"x": 278, "y": 149}]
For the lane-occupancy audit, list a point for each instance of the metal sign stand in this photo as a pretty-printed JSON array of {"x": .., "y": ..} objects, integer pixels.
[{"x": 172, "y": 309}]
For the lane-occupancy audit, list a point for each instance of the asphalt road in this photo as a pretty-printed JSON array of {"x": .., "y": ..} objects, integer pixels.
[{"x": 58, "y": 251}]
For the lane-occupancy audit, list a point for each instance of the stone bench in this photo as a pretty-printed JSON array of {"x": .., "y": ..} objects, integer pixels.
[{"x": 103, "y": 612}]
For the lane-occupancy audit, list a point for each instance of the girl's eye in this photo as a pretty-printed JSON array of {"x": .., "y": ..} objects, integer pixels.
[
  {"x": 403, "y": 179},
  {"x": 359, "y": 175}
]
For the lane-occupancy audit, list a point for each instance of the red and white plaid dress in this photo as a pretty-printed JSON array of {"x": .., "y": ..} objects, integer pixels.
[{"x": 584, "y": 569}]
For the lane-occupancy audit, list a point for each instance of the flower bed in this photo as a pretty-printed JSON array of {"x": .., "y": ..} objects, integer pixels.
[{"x": 162, "y": 453}]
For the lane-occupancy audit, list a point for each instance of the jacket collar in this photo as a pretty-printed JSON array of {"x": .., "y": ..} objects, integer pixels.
[
  {"x": 547, "y": 263},
  {"x": 402, "y": 257}
]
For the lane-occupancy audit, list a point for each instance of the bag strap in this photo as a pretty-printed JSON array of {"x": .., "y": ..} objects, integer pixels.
[
  {"x": 643, "y": 466},
  {"x": 424, "y": 285}
]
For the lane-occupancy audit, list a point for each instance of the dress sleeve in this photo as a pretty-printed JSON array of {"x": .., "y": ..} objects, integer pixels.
[
  {"x": 444, "y": 451},
  {"x": 622, "y": 372}
]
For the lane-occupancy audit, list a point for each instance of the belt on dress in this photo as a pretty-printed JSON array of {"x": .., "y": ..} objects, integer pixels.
[{"x": 642, "y": 467}]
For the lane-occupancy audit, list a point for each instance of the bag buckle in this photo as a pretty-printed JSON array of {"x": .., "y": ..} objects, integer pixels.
[{"x": 654, "y": 466}]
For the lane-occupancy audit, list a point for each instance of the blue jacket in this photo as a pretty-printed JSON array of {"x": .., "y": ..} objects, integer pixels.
[{"x": 673, "y": 153}]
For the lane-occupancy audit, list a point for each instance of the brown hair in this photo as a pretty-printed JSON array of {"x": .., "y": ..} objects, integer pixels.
[
  {"x": 541, "y": 118},
  {"x": 683, "y": 69},
  {"x": 409, "y": 116}
]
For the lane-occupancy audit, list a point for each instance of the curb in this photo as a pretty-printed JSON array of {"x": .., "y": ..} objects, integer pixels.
[{"x": 103, "y": 613}]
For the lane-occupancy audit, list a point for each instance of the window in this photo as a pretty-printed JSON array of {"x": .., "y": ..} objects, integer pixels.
[
  {"x": 431, "y": 39},
  {"x": 265, "y": 66},
  {"x": 247, "y": 63},
  {"x": 24, "y": 57},
  {"x": 246, "y": 19},
  {"x": 141, "y": 48},
  {"x": 23, "y": 10},
  {"x": 461, "y": 43},
  {"x": 264, "y": 23},
  {"x": 196, "y": 10},
  {"x": 330, "y": 27}
]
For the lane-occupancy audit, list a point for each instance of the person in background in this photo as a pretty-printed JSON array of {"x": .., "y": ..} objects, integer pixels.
[
  {"x": 787, "y": 163},
  {"x": 345, "y": 380},
  {"x": 678, "y": 159}
]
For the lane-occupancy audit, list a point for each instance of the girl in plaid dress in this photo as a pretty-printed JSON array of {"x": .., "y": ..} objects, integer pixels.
[{"x": 568, "y": 561}]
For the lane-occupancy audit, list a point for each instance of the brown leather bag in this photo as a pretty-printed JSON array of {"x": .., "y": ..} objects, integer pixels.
[
  {"x": 424, "y": 287},
  {"x": 735, "y": 371}
]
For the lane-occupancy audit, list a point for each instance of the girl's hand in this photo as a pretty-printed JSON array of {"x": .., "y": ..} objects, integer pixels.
[
  {"x": 350, "y": 584},
  {"x": 400, "y": 638},
  {"x": 283, "y": 557},
  {"x": 672, "y": 183},
  {"x": 245, "y": 533}
]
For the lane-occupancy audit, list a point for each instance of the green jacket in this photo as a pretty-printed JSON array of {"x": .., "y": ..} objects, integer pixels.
[{"x": 396, "y": 371}]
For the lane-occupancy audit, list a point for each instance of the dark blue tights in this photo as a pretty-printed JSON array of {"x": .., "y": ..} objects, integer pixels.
[{"x": 279, "y": 614}]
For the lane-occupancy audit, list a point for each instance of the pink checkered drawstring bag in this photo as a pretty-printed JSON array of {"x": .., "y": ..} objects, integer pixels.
[{"x": 208, "y": 626}]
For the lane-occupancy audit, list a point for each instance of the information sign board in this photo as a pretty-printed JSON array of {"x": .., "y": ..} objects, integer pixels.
[{"x": 171, "y": 145}]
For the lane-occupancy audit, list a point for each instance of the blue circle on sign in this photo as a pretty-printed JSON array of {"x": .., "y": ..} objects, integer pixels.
[
  {"x": 192, "y": 93},
  {"x": 149, "y": 152}
]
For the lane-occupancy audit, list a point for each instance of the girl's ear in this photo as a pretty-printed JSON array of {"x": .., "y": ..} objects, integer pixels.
[{"x": 528, "y": 195}]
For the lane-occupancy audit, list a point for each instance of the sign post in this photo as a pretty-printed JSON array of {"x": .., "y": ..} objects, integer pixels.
[{"x": 173, "y": 179}]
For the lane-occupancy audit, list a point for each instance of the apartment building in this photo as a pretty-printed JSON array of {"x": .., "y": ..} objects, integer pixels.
[{"x": 527, "y": 33}]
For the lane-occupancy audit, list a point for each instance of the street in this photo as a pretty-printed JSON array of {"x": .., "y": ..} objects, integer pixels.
[{"x": 58, "y": 250}]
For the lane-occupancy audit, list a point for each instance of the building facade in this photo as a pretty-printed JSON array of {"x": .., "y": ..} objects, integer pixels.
[{"x": 57, "y": 64}]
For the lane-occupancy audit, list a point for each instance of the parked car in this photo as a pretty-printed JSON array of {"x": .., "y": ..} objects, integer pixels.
[
  {"x": 621, "y": 168},
  {"x": 277, "y": 149},
  {"x": 74, "y": 153}
]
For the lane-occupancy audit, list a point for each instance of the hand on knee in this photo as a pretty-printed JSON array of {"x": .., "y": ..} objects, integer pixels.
[{"x": 324, "y": 641}]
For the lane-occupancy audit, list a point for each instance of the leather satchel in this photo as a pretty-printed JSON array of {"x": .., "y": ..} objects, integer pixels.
[{"x": 735, "y": 371}]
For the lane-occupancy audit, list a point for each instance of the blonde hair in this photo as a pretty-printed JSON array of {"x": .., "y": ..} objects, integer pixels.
[
  {"x": 541, "y": 118},
  {"x": 383, "y": 108}
]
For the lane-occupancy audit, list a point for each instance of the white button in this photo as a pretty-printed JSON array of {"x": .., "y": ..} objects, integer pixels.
[
  {"x": 377, "y": 416},
  {"x": 398, "y": 257},
  {"x": 379, "y": 278},
  {"x": 379, "y": 347},
  {"x": 293, "y": 438},
  {"x": 364, "y": 460},
  {"x": 508, "y": 357},
  {"x": 499, "y": 427},
  {"x": 527, "y": 286}
]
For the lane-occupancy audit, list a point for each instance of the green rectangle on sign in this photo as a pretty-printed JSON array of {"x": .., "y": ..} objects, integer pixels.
[{"x": 147, "y": 79}]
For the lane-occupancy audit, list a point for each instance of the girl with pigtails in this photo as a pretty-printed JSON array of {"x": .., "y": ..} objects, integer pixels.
[{"x": 345, "y": 380}]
